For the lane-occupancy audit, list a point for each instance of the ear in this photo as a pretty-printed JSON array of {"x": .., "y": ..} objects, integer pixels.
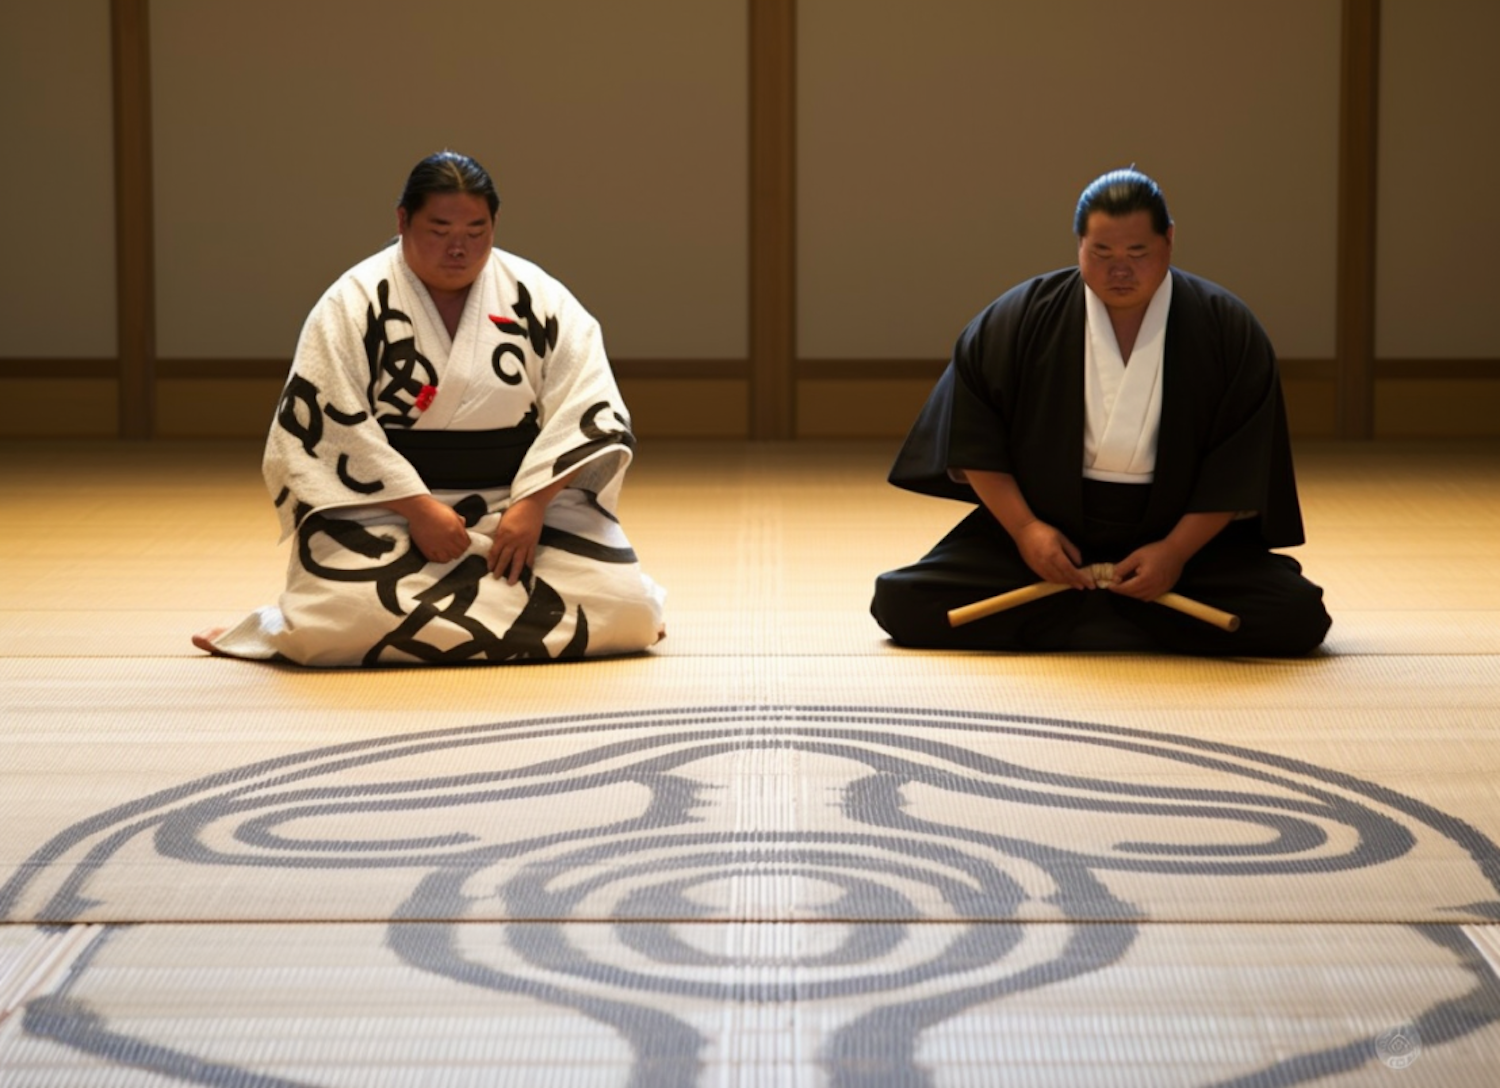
[
  {"x": 1171, "y": 233},
  {"x": 402, "y": 220}
]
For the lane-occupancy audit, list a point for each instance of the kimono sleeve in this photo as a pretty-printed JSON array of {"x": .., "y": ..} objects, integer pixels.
[
  {"x": 582, "y": 417},
  {"x": 965, "y": 421},
  {"x": 325, "y": 448},
  {"x": 1248, "y": 462}
]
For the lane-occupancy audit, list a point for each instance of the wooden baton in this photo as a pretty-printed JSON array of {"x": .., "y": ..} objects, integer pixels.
[
  {"x": 1104, "y": 575},
  {"x": 990, "y": 605}
]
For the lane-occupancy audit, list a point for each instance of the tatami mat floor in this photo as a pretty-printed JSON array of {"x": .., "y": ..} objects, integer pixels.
[{"x": 776, "y": 850}]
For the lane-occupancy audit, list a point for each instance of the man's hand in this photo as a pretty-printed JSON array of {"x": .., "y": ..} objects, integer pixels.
[
  {"x": 437, "y": 530},
  {"x": 520, "y": 528},
  {"x": 1153, "y": 569},
  {"x": 516, "y": 537},
  {"x": 1148, "y": 572},
  {"x": 1052, "y": 555}
]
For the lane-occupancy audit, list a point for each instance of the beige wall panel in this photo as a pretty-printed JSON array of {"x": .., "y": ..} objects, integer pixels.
[
  {"x": 1438, "y": 228},
  {"x": 859, "y": 407},
  {"x": 616, "y": 134},
  {"x": 57, "y": 278},
  {"x": 943, "y": 143},
  {"x": 215, "y": 408},
  {"x": 1457, "y": 408},
  {"x": 687, "y": 407}
]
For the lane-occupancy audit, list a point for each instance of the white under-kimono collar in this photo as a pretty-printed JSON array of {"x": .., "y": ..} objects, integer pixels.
[
  {"x": 1122, "y": 404},
  {"x": 459, "y": 357}
]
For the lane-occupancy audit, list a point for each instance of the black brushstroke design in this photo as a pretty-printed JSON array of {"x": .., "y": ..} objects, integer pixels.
[
  {"x": 578, "y": 645},
  {"x": 472, "y": 508},
  {"x": 299, "y": 413},
  {"x": 523, "y": 641},
  {"x": 592, "y": 502},
  {"x": 355, "y": 537},
  {"x": 598, "y": 435},
  {"x": 502, "y": 352},
  {"x": 348, "y": 419},
  {"x": 574, "y": 544},
  {"x": 361, "y": 487},
  {"x": 398, "y": 371},
  {"x": 539, "y": 332}
]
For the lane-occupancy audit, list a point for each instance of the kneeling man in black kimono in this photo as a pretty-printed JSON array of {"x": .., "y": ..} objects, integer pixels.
[{"x": 1119, "y": 412}]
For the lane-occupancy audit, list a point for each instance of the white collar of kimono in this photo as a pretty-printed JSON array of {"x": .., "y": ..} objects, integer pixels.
[
  {"x": 458, "y": 358},
  {"x": 425, "y": 318},
  {"x": 1122, "y": 404}
]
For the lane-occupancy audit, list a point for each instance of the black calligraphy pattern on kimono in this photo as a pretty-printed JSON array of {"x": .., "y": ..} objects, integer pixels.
[
  {"x": 530, "y": 327},
  {"x": 603, "y": 425},
  {"x": 524, "y": 640},
  {"x": 398, "y": 371},
  {"x": 300, "y": 413}
]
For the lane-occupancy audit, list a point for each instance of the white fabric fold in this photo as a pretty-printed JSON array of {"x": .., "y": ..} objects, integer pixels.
[{"x": 1122, "y": 404}]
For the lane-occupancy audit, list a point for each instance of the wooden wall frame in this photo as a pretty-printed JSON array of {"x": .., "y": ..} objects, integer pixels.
[
  {"x": 773, "y": 232},
  {"x": 1359, "y": 119},
  {"x": 135, "y": 276}
]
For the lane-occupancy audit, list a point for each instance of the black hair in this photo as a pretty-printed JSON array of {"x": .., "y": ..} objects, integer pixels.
[
  {"x": 447, "y": 172},
  {"x": 1119, "y": 193}
]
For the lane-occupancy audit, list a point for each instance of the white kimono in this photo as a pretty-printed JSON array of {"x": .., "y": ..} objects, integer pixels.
[{"x": 526, "y": 385}]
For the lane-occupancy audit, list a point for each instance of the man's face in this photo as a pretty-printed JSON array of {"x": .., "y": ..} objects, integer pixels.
[
  {"x": 1123, "y": 259},
  {"x": 447, "y": 240}
]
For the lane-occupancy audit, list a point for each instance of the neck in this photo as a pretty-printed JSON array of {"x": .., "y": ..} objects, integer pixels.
[
  {"x": 443, "y": 296},
  {"x": 450, "y": 306},
  {"x": 1127, "y": 326}
]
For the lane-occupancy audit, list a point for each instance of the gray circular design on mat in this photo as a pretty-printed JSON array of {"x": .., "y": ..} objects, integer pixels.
[{"x": 871, "y": 869}]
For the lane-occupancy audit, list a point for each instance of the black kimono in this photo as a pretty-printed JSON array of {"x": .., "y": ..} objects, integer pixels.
[{"x": 1012, "y": 401}]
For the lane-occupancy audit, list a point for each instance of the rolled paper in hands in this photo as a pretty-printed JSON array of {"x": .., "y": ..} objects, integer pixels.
[{"x": 1104, "y": 575}]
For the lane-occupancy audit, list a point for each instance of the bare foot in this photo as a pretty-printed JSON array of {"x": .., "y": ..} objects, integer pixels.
[{"x": 204, "y": 640}]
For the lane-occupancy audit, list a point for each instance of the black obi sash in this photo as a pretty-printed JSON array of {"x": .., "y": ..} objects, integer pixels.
[{"x": 460, "y": 460}]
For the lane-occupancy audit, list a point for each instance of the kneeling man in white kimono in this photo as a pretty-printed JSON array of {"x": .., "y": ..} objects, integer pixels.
[{"x": 448, "y": 453}]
